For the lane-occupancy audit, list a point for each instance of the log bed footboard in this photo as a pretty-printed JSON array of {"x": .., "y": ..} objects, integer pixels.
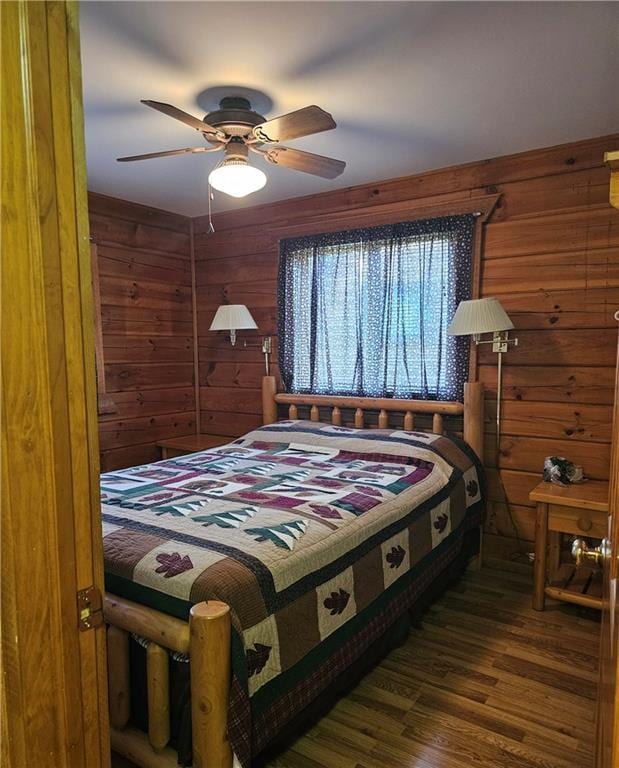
[{"x": 206, "y": 639}]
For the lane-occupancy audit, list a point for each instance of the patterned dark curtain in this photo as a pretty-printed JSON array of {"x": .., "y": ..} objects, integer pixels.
[{"x": 365, "y": 312}]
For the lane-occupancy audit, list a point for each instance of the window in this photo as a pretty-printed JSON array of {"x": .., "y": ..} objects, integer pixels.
[{"x": 365, "y": 312}]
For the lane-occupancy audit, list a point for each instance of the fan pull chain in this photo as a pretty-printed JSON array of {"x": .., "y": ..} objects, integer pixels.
[{"x": 211, "y": 228}]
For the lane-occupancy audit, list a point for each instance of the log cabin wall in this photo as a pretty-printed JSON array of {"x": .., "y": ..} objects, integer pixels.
[
  {"x": 550, "y": 254},
  {"x": 145, "y": 280}
]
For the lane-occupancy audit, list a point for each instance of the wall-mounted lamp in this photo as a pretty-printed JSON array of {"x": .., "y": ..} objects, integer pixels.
[
  {"x": 478, "y": 316},
  {"x": 236, "y": 317},
  {"x": 233, "y": 318}
]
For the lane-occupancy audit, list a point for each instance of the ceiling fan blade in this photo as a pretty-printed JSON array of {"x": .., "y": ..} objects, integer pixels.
[
  {"x": 318, "y": 165},
  {"x": 184, "y": 117},
  {"x": 168, "y": 153},
  {"x": 302, "y": 122}
]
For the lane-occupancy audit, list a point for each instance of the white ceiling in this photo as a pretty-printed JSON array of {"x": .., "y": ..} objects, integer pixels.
[{"x": 413, "y": 86}]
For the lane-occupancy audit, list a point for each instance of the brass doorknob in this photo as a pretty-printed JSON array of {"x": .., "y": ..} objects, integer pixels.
[{"x": 582, "y": 553}]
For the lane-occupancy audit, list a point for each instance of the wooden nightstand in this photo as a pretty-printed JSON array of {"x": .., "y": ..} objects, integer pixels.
[
  {"x": 179, "y": 446},
  {"x": 579, "y": 510}
]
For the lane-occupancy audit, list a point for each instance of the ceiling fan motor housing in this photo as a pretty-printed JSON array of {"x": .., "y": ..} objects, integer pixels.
[
  {"x": 235, "y": 116},
  {"x": 236, "y": 148}
]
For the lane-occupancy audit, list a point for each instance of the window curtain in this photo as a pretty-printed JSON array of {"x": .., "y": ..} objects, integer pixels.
[{"x": 365, "y": 312}]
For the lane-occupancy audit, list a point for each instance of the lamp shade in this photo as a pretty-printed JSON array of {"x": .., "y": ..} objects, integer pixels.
[
  {"x": 479, "y": 316},
  {"x": 232, "y": 317},
  {"x": 235, "y": 177}
]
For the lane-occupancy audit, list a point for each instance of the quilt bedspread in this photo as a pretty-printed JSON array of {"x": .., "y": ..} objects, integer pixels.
[{"x": 317, "y": 537}]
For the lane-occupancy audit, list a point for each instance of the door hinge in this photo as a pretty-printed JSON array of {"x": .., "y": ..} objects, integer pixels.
[{"x": 89, "y": 609}]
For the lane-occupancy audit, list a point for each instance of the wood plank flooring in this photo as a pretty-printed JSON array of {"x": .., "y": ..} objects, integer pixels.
[{"x": 486, "y": 682}]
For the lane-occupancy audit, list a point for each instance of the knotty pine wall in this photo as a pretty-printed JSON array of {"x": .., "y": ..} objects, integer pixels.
[
  {"x": 144, "y": 260},
  {"x": 551, "y": 254}
]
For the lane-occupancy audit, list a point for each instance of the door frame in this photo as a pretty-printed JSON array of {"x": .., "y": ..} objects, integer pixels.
[{"x": 54, "y": 692}]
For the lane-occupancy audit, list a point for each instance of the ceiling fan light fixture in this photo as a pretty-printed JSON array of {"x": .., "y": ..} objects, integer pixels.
[{"x": 235, "y": 177}]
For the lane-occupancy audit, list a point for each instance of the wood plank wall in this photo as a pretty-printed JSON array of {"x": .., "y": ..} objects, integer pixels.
[
  {"x": 551, "y": 254},
  {"x": 144, "y": 258}
]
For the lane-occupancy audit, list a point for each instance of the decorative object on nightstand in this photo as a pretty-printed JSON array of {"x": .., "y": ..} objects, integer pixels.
[
  {"x": 179, "y": 446},
  {"x": 236, "y": 317},
  {"x": 579, "y": 510},
  {"x": 562, "y": 471},
  {"x": 476, "y": 317}
]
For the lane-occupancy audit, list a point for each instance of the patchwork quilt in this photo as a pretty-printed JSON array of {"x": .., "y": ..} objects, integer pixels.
[{"x": 317, "y": 536}]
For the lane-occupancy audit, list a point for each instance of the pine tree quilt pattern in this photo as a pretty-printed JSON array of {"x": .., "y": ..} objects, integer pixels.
[{"x": 316, "y": 536}]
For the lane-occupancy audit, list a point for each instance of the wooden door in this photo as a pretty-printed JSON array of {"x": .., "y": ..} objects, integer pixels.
[
  {"x": 607, "y": 745},
  {"x": 607, "y": 748},
  {"x": 54, "y": 696},
  {"x": 607, "y": 752}
]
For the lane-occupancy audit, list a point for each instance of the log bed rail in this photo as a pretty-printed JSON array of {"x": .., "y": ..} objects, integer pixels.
[{"x": 205, "y": 638}]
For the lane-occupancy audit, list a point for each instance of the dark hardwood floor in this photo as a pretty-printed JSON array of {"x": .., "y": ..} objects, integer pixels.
[{"x": 486, "y": 682}]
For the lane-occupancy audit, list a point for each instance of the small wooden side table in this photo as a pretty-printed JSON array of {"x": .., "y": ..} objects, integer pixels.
[
  {"x": 179, "y": 446},
  {"x": 580, "y": 510}
]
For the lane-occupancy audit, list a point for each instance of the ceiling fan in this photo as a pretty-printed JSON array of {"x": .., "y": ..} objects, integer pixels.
[{"x": 236, "y": 129}]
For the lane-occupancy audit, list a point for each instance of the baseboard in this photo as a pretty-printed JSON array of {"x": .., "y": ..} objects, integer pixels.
[{"x": 506, "y": 548}]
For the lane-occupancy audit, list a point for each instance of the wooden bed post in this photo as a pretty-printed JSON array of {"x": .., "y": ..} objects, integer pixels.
[
  {"x": 474, "y": 436},
  {"x": 209, "y": 666},
  {"x": 269, "y": 406}
]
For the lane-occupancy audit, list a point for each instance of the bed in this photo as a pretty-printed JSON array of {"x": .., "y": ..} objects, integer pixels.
[{"x": 272, "y": 566}]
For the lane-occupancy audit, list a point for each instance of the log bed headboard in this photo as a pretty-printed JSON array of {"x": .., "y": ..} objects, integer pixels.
[{"x": 472, "y": 409}]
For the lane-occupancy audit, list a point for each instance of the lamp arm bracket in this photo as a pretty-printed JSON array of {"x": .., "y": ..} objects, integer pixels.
[
  {"x": 264, "y": 343},
  {"x": 266, "y": 348},
  {"x": 500, "y": 341}
]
